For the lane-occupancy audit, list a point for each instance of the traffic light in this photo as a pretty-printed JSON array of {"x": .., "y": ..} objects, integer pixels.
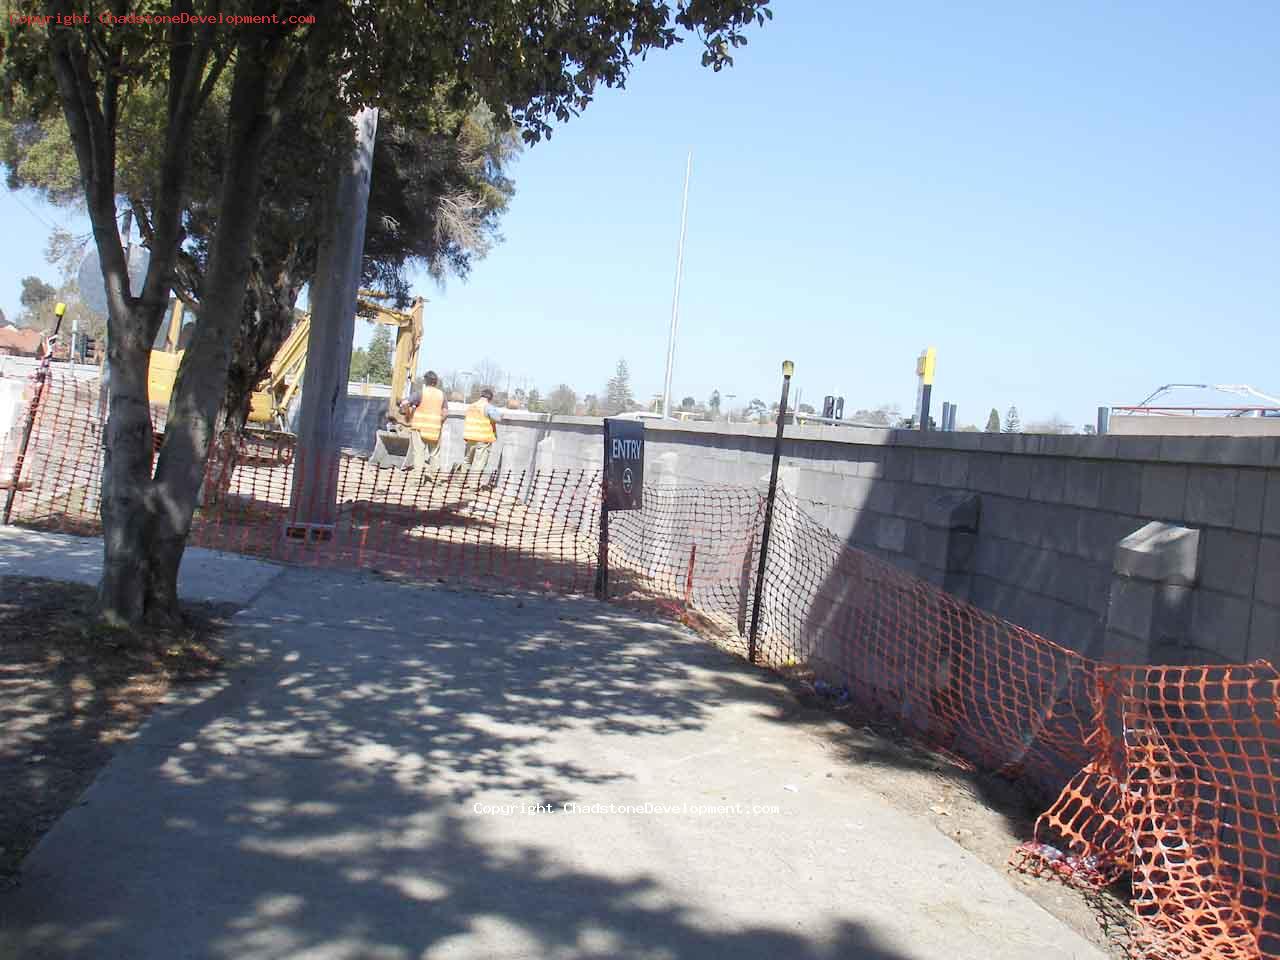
[
  {"x": 828, "y": 407},
  {"x": 839, "y": 414}
]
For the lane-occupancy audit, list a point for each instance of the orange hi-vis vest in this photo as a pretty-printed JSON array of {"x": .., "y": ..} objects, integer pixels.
[
  {"x": 478, "y": 427},
  {"x": 428, "y": 419}
]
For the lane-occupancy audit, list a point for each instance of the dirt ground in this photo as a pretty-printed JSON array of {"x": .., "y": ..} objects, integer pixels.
[
  {"x": 986, "y": 815},
  {"x": 70, "y": 692}
]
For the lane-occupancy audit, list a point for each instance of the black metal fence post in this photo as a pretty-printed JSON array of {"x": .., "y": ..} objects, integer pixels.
[
  {"x": 788, "y": 368},
  {"x": 602, "y": 567}
]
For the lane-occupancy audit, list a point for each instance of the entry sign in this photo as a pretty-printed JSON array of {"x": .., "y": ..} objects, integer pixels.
[{"x": 624, "y": 464}]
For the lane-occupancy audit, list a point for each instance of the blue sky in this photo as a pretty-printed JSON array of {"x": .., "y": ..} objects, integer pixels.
[{"x": 1073, "y": 205}]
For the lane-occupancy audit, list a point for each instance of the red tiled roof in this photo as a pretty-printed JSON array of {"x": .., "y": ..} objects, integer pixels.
[{"x": 21, "y": 342}]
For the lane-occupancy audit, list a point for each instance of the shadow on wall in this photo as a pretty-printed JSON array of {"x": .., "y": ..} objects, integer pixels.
[
  {"x": 866, "y": 611},
  {"x": 351, "y": 814}
]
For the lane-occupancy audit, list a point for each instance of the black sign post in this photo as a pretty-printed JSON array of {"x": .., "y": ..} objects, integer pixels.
[{"x": 623, "y": 484}]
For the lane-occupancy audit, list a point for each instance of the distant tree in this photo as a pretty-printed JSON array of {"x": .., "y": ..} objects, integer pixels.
[
  {"x": 756, "y": 410},
  {"x": 713, "y": 403},
  {"x": 688, "y": 403},
  {"x": 968, "y": 428},
  {"x": 1055, "y": 424},
  {"x": 885, "y": 415},
  {"x": 487, "y": 374},
  {"x": 359, "y": 365},
  {"x": 35, "y": 297},
  {"x": 1090, "y": 429},
  {"x": 806, "y": 408},
  {"x": 591, "y": 405},
  {"x": 563, "y": 401},
  {"x": 534, "y": 401},
  {"x": 993, "y": 421},
  {"x": 618, "y": 398},
  {"x": 379, "y": 369},
  {"x": 1012, "y": 423},
  {"x": 35, "y": 290},
  {"x": 454, "y": 384}
]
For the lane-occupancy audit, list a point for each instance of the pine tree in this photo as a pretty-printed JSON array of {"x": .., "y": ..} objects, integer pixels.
[
  {"x": 618, "y": 397},
  {"x": 1011, "y": 422},
  {"x": 993, "y": 421},
  {"x": 379, "y": 369},
  {"x": 359, "y": 365}
]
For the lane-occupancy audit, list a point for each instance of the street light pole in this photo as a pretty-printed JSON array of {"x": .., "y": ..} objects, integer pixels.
[
  {"x": 675, "y": 301},
  {"x": 788, "y": 368}
]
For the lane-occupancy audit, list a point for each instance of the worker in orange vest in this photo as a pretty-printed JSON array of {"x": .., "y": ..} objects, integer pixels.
[
  {"x": 479, "y": 430},
  {"x": 426, "y": 409}
]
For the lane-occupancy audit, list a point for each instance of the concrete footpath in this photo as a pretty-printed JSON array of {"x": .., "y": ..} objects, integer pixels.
[
  {"x": 206, "y": 575},
  {"x": 408, "y": 772}
]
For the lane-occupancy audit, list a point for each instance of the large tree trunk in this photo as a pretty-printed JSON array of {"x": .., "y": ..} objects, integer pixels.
[
  {"x": 127, "y": 461},
  {"x": 132, "y": 322},
  {"x": 199, "y": 389}
]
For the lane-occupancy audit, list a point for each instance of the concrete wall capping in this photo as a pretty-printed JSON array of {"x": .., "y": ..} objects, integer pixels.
[
  {"x": 1160, "y": 552},
  {"x": 1210, "y": 451}
]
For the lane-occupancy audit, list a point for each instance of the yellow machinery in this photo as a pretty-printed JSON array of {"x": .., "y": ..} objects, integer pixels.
[
  {"x": 165, "y": 362},
  {"x": 269, "y": 404}
]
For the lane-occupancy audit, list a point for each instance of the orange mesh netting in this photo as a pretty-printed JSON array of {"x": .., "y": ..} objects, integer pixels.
[{"x": 1164, "y": 775}]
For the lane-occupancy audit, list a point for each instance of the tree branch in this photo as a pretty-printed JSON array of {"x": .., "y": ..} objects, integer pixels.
[
  {"x": 141, "y": 218},
  {"x": 95, "y": 153},
  {"x": 186, "y": 72}
]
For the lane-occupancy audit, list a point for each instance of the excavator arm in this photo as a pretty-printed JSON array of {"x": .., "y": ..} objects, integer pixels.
[{"x": 408, "y": 342}]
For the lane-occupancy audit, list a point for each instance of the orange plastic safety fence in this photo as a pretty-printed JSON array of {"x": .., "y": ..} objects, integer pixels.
[{"x": 1167, "y": 775}]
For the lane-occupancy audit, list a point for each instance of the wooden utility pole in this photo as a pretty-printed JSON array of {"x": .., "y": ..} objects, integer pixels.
[{"x": 314, "y": 505}]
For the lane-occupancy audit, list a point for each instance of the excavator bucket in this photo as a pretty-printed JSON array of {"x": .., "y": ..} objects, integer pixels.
[{"x": 398, "y": 450}]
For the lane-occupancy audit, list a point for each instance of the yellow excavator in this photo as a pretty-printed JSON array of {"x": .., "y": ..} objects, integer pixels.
[{"x": 270, "y": 403}]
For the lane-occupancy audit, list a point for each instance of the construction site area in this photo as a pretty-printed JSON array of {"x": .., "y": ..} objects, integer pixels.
[{"x": 1105, "y": 693}]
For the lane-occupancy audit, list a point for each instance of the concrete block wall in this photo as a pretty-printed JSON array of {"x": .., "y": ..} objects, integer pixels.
[{"x": 1053, "y": 510}]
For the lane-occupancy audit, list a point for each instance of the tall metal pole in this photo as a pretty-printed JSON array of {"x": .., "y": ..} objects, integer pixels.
[
  {"x": 788, "y": 368},
  {"x": 675, "y": 301},
  {"x": 313, "y": 503}
]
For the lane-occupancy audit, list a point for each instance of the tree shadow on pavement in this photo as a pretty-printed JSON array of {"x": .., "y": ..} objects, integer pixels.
[{"x": 344, "y": 796}]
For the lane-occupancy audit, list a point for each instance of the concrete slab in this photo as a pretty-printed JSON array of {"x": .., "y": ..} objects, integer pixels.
[
  {"x": 206, "y": 575},
  {"x": 412, "y": 772}
]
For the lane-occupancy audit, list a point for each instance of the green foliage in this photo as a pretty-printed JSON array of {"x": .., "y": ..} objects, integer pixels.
[
  {"x": 379, "y": 352},
  {"x": 34, "y": 291},
  {"x": 1012, "y": 423},
  {"x": 618, "y": 398},
  {"x": 993, "y": 421},
  {"x": 756, "y": 410},
  {"x": 534, "y": 402},
  {"x": 713, "y": 403},
  {"x": 359, "y": 365},
  {"x": 562, "y": 401},
  {"x": 688, "y": 403}
]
